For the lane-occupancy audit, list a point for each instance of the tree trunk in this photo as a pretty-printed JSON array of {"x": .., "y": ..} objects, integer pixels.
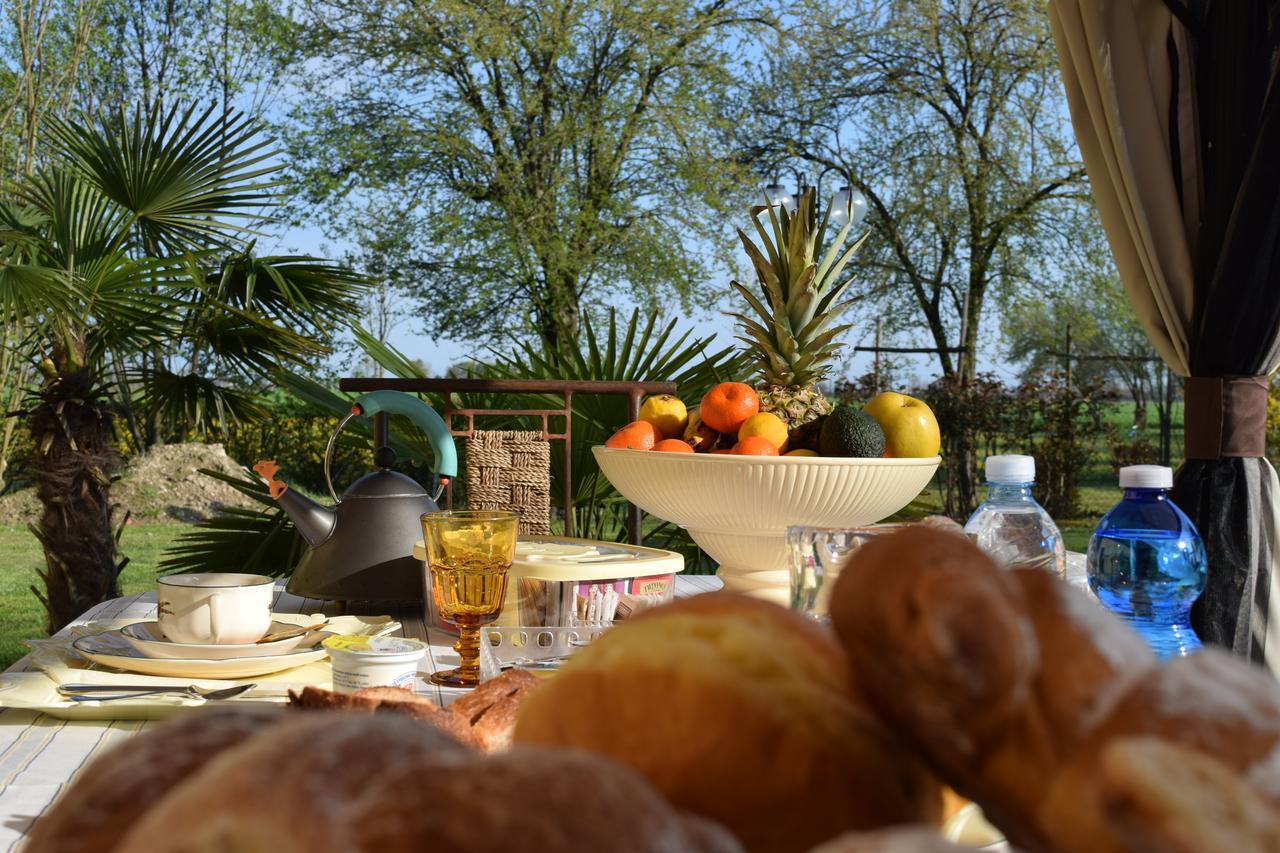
[
  {"x": 71, "y": 429},
  {"x": 558, "y": 313}
]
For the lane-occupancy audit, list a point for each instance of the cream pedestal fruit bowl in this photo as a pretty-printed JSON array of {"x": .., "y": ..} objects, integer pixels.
[{"x": 738, "y": 508}]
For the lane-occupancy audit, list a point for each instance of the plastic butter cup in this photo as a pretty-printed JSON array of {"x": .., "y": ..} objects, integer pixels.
[{"x": 360, "y": 662}]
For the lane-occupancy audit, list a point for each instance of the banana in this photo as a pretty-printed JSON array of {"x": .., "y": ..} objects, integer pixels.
[{"x": 700, "y": 436}]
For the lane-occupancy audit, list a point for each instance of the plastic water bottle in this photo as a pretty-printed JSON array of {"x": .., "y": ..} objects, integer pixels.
[
  {"x": 1147, "y": 562},
  {"x": 1010, "y": 525}
]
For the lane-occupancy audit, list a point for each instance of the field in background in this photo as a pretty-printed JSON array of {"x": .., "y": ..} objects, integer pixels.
[{"x": 22, "y": 615}]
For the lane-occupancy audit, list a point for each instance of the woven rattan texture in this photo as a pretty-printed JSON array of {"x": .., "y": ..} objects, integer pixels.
[{"x": 511, "y": 470}]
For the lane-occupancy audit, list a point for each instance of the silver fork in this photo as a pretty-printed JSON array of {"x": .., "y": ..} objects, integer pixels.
[{"x": 95, "y": 692}]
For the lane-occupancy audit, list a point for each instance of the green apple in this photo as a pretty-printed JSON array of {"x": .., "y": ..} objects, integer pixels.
[{"x": 910, "y": 429}]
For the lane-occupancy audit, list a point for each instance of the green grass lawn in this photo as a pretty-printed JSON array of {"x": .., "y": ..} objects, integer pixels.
[{"x": 22, "y": 615}]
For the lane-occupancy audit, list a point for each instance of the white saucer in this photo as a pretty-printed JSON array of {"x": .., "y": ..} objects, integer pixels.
[
  {"x": 149, "y": 640},
  {"x": 112, "y": 648}
]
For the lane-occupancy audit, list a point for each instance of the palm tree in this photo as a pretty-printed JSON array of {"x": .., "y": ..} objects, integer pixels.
[{"x": 130, "y": 255}]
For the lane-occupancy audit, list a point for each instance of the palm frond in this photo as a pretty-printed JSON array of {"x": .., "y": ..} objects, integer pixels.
[
  {"x": 198, "y": 401},
  {"x": 187, "y": 179},
  {"x": 296, "y": 291}
]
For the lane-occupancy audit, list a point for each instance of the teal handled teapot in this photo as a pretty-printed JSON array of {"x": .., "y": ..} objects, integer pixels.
[{"x": 362, "y": 546}]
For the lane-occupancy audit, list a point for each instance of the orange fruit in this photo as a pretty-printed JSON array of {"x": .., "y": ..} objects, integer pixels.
[
  {"x": 727, "y": 406},
  {"x": 673, "y": 445},
  {"x": 637, "y": 435},
  {"x": 754, "y": 445}
]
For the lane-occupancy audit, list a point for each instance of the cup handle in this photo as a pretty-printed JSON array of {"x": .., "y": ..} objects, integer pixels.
[{"x": 214, "y": 609}]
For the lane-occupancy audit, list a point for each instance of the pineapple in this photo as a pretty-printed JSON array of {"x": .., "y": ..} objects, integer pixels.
[{"x": 791, "y": 336}]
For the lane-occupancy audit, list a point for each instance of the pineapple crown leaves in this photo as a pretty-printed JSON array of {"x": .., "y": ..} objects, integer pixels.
[{"x": 791, "y": 341}]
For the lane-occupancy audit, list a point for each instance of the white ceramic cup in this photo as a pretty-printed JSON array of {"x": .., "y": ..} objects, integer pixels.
[{"x": 217, "y": 608}]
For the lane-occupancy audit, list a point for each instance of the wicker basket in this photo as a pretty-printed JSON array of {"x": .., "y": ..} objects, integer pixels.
[{"x": 511, "y": 470}]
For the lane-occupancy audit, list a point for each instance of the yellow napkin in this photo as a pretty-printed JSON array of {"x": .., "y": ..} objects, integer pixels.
[{"x": 59, "y": 663}]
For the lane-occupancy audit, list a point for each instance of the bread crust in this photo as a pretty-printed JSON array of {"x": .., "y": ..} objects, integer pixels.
[
  {"x": 1014, "y": 686},
  {"x": 113, "y": 791},
  {"x": 778, "y": 750},
  {"x": 342, "y": 782}
]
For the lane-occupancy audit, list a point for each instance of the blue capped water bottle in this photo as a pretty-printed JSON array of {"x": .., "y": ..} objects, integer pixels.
[
  {"x": 1010, "y": 525},
  {"x": 1147, "y": 562}
]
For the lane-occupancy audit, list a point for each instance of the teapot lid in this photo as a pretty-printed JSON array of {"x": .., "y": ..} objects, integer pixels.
[{"x": 384, "y": 484}]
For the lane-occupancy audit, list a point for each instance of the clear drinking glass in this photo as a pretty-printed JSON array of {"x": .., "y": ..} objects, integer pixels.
[
  {"x": 468, "y": 555},
  {"x": 816, "y": 555}
]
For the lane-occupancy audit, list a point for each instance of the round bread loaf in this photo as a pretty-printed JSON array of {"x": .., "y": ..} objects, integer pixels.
[
  {"x": 337, "y": 782},
  {"x": 738, "y": 710},
  {"x": 113, "y": 791}
]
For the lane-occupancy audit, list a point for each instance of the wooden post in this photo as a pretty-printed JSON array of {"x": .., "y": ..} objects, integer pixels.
[{"x": 879, "y": 343}]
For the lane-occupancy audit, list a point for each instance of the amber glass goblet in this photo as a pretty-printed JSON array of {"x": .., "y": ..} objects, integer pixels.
[{"x": 468, "y": 554}]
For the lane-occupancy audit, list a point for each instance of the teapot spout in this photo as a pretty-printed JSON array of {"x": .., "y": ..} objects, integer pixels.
[{"x": 314, "y": 521}]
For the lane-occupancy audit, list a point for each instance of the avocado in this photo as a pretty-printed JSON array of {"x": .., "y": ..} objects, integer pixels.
[{"x": 849, "y": 431}]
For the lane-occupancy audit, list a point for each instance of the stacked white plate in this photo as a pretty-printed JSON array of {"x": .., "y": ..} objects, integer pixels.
[{"x": 141, "y": 647}]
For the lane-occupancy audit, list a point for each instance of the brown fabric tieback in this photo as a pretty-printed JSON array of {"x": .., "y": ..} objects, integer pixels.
[{"x": 1225, "y": 416}]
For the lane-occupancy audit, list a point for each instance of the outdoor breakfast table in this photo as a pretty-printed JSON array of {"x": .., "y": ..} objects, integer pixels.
[{"x": 40, "y": 754}]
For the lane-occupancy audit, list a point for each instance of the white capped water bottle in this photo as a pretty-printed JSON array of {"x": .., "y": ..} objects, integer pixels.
[
  {"x": 1010, "y": 525},
  {"x": 1147, "y": 562}
]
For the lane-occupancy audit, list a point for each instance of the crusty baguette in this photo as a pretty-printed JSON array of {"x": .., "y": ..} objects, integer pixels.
[{"x": 391, "y": 700}]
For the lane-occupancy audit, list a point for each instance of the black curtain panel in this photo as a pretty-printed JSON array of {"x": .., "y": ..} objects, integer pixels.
[{"x": 1225, "y": 485}]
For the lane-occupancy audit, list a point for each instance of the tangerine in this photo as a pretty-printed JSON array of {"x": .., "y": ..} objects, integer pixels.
[
  {"x": 673, "y": 445},
  {"x": 727, "y": 406},
  {"x": 754, "y": 445},
  {"x": 637, "y": 435},
  {"x": 768, "y": 426}
]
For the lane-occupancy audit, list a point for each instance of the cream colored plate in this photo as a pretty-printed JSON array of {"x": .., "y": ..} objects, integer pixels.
[
  {"x": 149, "y": 640},
  {"x": 113, "y": 649}
]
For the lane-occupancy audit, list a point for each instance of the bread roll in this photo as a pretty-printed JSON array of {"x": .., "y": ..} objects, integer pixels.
[
  {"x": 1208, "y": 703},
  {"x": 738, "y": 710},
  {"x": 1161, "y": 797},
  {"x": 384, "y": 783},
  {"x": 112, "y": 792},
  {"x": 1019, "y": 690},
  {"x": 993, "y": 675}
]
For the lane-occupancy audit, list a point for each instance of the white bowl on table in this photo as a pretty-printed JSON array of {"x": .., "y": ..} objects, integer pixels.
[{"x": 738, "y": 508}]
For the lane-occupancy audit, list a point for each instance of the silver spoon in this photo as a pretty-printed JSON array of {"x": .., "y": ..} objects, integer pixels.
[{"x": 94, "y": 692}]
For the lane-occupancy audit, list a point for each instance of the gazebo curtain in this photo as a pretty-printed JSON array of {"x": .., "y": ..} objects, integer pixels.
[{"x": 1177, "y": 115}]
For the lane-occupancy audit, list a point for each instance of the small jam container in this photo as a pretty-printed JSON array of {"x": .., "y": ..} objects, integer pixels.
[{"x": 360, "y": 662}]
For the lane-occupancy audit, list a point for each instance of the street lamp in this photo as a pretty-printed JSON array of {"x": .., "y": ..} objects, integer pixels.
[
  {"x": 849, "y": 205},
  {"x": 776, "y": 194}
]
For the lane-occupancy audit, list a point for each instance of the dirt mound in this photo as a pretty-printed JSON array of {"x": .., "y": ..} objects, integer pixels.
[{"x": 164, "y": 484}]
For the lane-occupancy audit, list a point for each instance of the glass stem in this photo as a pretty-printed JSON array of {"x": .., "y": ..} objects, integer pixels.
[{"x": 468, "y": 649}]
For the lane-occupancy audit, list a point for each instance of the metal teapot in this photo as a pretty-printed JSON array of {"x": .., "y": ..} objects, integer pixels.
[{"x": 362, "y": 546}]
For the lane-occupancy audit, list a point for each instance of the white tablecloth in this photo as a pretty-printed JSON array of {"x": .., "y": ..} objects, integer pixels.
[{"x": 39, "y": 754}]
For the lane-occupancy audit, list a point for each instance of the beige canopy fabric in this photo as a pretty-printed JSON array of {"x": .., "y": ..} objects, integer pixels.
[
  {"x": 1115, "y": 57},
  {"x": 1115, "y": 66}
]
